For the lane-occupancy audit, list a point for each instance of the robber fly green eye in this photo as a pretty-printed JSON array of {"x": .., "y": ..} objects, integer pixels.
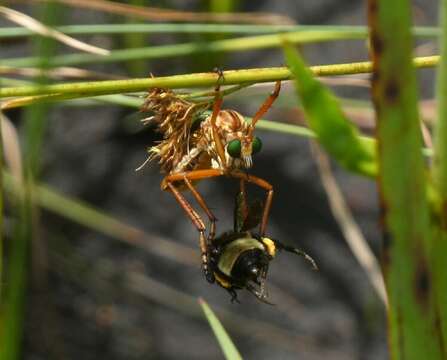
[
  {"x": 234, "y": 147},
  {"x": 256, "y": 146}
]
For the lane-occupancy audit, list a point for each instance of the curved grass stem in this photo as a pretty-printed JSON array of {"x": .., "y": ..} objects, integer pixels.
[{"x": 231, "y": 77}]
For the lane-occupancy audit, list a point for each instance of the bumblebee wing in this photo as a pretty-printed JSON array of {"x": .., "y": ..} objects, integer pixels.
[
  {"x": 254, "y": 215},
  {"x": 240, "y": 212},
  {"x": 246, "y": 216}
]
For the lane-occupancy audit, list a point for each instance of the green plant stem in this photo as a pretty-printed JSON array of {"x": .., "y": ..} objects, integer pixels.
[
  {"x": 231, "y": 77},
  {"x": 440, "y": 163},
  {"x": 439, "y": 250},
  {"x": 185, "y": 49},
  {"x": 10, "y": 32},
  {"x": 136, "y": 40},
  {"x": 413, "y": 319},
  {"x": 1, "y": 211}
]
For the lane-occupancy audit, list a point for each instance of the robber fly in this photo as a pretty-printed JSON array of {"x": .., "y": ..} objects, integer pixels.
[
  {"x": 240, "y": 258},
  {"x": 199, "y": 144}
]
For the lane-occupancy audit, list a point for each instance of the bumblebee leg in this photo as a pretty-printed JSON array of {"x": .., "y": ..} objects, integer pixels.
[
  {"x": 198, "y": 223},
  {"x": 296, "y": 251},
  {"x": 233, "y": 294},
  {"x": 261, "y": 296},
  {"x": 267, "y": 103},
  {"x": 205, "y": 208}
]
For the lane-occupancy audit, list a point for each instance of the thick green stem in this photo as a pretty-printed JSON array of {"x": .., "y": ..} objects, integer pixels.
[
  {"x": 414, "y": 324},
  {"x": 1, "y": 211},
  {"x": 440, "y": 163},
  {"x": 440, "y": 178},
  {"x": 231, "y": 77}
]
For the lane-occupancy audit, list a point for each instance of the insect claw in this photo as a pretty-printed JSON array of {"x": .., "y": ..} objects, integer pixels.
[{"x": 220, "y": 73}]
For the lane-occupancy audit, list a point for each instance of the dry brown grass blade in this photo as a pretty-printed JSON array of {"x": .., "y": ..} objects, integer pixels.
[
  {"x": 159, "y": 14},
  {"x": 11, "y": 147},
  {"x": 27, "y": 100},
  {"x": 39, "y": 28},
  {"x": 351, "y": 231},
  {"x": 426, "y": 135}
]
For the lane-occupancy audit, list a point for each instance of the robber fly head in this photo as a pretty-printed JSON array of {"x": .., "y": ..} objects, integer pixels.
[{"x": 242, "y": 144}]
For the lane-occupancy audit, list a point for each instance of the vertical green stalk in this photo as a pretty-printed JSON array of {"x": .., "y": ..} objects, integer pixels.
[
  {"x": 440, "y": 176},
  {"x": 137, "y": 67},
  {"x": 211, "y": 61},
  {"x": 1, "y": 212},
  {"x": 13, "y": 311},
  {"x": 406, "y": 261},
  {"x": 440, "y": 160}
]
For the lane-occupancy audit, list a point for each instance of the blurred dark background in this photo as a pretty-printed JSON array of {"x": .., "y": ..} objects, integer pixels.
[{"x": 97, "y": 297}]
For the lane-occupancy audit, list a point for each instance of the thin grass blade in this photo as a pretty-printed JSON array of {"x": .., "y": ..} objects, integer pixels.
[
  {"x": 334, "y": 131},
  {"x": 230, "y": 351},
  {"x": 39, "y": 28}
]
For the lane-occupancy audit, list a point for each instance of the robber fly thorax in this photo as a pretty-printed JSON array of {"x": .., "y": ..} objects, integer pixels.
[{"x": 189, "y": 142}]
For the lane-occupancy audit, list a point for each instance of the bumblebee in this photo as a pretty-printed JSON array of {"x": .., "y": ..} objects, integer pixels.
[{"x": 240, "y": 259}]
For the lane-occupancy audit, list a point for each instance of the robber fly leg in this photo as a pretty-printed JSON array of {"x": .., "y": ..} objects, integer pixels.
[
  {"x": 198, "y": 223},
  {"x": 205, "y": 208},
  {"x": 267, "y": 103},
  {"x": 220, "y": 77}
]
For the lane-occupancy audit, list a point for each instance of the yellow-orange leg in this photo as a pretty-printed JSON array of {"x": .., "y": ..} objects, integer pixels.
[
  {"x": 198, "y": 223},
  {"x": 243, "y": 192},
  {"x": 209, "y": 173},
  {"x": 268, "y": 201},
  {"x": 267, "y": 103},
  {"x": 205, "y": 208},
  {"x": 216, "y": 109}
]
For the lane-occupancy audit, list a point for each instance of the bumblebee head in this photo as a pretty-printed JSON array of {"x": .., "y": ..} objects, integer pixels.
[
  {"x": 242, "y": 262},
  {"x": 250, "y": 271}
]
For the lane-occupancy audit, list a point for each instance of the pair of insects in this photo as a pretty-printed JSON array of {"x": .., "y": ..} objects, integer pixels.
[{"x": 200, "y": 144}]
